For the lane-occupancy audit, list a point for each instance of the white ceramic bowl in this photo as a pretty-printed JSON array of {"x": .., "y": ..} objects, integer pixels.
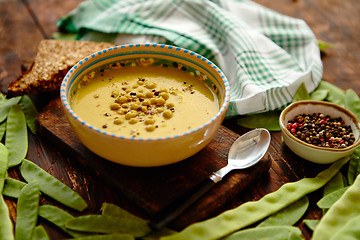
[
  {"x": 147, "y": 152},
  {"x": 316, "y": 154}
]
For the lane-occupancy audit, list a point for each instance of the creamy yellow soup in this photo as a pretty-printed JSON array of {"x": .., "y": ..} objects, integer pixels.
[{"x": 144, "y": 101}]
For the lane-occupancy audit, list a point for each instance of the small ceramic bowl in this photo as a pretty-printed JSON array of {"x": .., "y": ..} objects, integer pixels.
[
  {"x": 316, "y": 154},
  {"x": 146, "y": 152}
]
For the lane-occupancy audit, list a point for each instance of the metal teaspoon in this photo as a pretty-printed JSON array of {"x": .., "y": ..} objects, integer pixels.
[{"x": 246, "y": 151}]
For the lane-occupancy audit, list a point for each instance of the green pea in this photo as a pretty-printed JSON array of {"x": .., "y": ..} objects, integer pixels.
[
  {"x": 2, "y": 130},
  {"x": 240, "y": 217},
  {"x": 117, "y": 236},
  {"x": 328, "y": 200},
  {"x": 150, "y": 85},
  {"x": 266, "y": 233},
  {"x": 108, "y": 224},
  {"x": 133, "y": 120},
  {"x": 16, "y": 136},
  {"x": 30, "y": 112},
  {"x": 5, "y": 106},
  {"x": 39, "y": 234},
  {"x": 289, "y": 215},
  {"x": 114, "y": 106},
  {"x": 6, "y": 226},
  {"x": 160, "y": 101},
  {"x": 164, "y": 95},
  {"x": 12, "y": 187},
  {"x": 311, "y": 223},
  {"x": 150, "y": 128},
  {"x": 51, "y": 186},
  {"x": 27, "y": 211},
  {"x": 168, "y": 114},
  {"x": 58, "y": 217},
  {"x": 341, "y": 213},
  {"x": 118, "y": 121}
]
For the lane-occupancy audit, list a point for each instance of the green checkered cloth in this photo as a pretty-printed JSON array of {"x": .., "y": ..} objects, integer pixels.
[{"x": 265, "y": 55}]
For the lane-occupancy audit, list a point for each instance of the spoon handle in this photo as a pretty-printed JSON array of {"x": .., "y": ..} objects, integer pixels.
[{"x": 174, "y": 209}]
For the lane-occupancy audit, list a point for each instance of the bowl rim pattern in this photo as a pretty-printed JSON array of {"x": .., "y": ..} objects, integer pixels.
[
  {"x": 66, "y": 81},
  {"x": 326, "y": 104}
]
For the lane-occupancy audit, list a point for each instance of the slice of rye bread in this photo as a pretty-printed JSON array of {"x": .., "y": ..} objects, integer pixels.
[{"x": 53, "y": 60}]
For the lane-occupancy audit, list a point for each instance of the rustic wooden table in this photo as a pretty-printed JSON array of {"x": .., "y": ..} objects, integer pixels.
[{"x": 23, "y": 23}]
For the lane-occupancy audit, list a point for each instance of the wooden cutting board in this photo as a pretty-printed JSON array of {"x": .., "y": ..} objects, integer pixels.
[{"x": 151, "y": 189}]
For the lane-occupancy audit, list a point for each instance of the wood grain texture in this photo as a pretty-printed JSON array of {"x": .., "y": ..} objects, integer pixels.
[{"x": 151, "y": 189}]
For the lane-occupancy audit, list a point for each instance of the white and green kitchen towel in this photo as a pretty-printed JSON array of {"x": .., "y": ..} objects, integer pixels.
[{"x": 265, "y": 55}]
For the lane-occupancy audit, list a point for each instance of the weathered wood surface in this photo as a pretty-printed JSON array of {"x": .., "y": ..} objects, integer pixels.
[
  {"x": 151, "y": 189},
  {"x": 23, "y": 23}
]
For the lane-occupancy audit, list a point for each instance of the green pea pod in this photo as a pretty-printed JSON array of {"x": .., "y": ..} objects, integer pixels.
[
  {"x": 341, "y": 212},
  {"x": 12, "y": 187},
  {"x": 27, "y": 211},
  {"x": 117, "y": 236},
  {"x": 319, "y": 95},
  {"x": 336, "y": 183},
  {"x": 301, "y": 93},
  {"x": 30, "y": 112},
  {"x": 289, "y": 215},
  {"x": 112, "y": 210},
  {"x": 350, "y": 231},
  {"x": 2, "y": 97},
  {"x": 5, "y": 106},
  {"x": 2, "y": 130},
  {"x": 6, "y": 226},
  {"x": 16, "y": 136},
  {"x": 156, "y": 235},
  {"x": 109, "y": 209},
  {"x": 311, "y": 223},
  {"x": 354, "y": 166},
  {"x": 268, "y": 120},
  {"x": 58, "y": 217},
  {"x": 108, "y": 224},
  {"x": 39, "y": 234},
  {"x": 253, "y": 211},
  {"x": 325, "y": 45},
  {"x": 352, "y": 102},
  {"x": 335, "y": 94},
  {"x": 51, "y": 186},
  {"x": 327, "y": 201},
  {"x": 266, "y": 233},
  {"x": 3, "y": 165}
]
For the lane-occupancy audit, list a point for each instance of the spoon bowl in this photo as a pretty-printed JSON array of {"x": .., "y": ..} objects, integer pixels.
[{"x": 246, "y": 151}]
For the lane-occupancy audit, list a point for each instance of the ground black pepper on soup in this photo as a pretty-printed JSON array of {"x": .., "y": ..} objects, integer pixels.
[{"x": 144, "y": 101}]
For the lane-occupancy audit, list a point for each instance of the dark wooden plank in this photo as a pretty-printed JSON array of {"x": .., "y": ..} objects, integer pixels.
[
  {"x": 19, "y": 37},
  {"x": 336, "y": 22},
  {"x": 151, "y": 189}
]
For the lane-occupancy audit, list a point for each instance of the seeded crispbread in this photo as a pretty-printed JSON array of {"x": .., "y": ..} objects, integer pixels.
[{"x": 53, "y": 60}]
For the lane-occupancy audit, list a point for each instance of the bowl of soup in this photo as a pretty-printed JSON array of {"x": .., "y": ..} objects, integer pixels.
[{"x": 145, "y": 105}]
